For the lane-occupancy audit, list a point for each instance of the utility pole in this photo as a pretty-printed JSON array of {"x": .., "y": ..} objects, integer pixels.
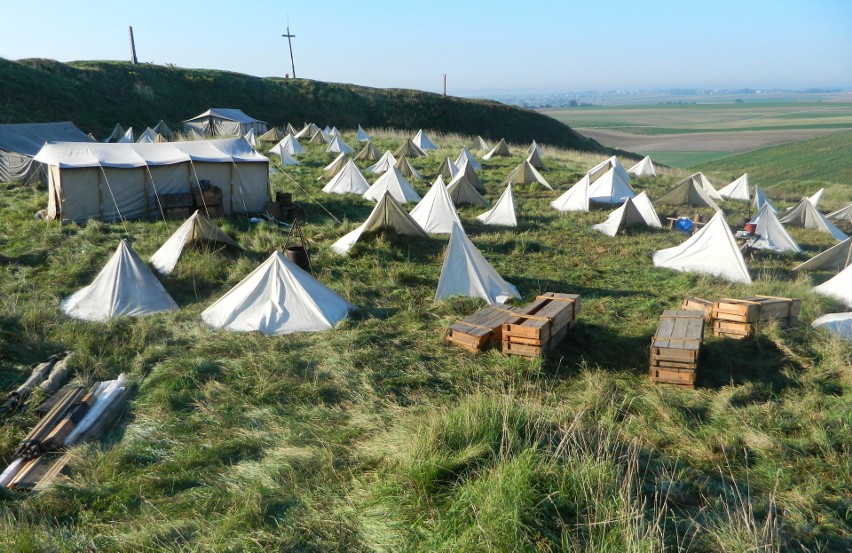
[
  {"x": 445, "y": 84},
  {"x": 132, "y": 48},
  {"x": 290, "y": 43}
]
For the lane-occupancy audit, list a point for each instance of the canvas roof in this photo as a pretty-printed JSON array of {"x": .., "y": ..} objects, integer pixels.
[
  {"x": 838, "y": 287},
  {"x": 348, "y": 181},
  {"x": 388, "y": 215},
  {"x": 610, "y": 163},
  {"x": 435, "y": 213},
  {"x": 319, "y": 137},
  {"x": 127, "y": 138},
  {"x": 368, "y": 153},
  {"x": 117, "y": 133},
  {"x": 466, "y": 156},
  {"x": 534, "y": 159},
  {"x": 839, "y": 324},
  {"x": 272, "y": 135},
  {"x": 393, "y": 182},
  {"x": 307, "y": 131},
  {"x": 479, "y": 143},
  {"x": 466, "y": 272},
  {"x": 421, "y": 140},
  {"x": 162, "y": 128},
  {"x": 410, "y": 149},
  {"x": 330, "y": 170},
  {"x": 842, "y": 214},
  {"x": 839, "y": 256},
  {"x": 804, "y": 214},
  {"x": 773, "y": 235},
  {"x": 687, "y": 192},
  {"x": 575, "y": 198},
  {"x": 277, "y": 298},
  {"x": 124, "y": 287},
  {"x": 737, "y": 190},
  {"x": 610, "y": 188},
  {"x": 816, "y": 197},
  {"x": 630, "y": 214},
  {"x": 500, "y": 150},
  {"x": 462, "y": 192},
  {"x": 646, "y": 208},
  {"x": 645, "y": 168},
  {"x": 467, "y": 170},
  {"x": 197, "y": 228},
  {"x": 28, "y": 138},
  {"x": 525, "y": 173},
  {"x": 448, "y": 169},
  {"x": 337, "y": 145},
  {"x": 148, "y": 136},
  {"x": 385, "y": 162},
  {"x": 286, "y": 157},
  {"x": 535, "y": 148},
  {"x": 711, "y": 250},
  {"x": 251, "y": 138},
  {"x": 362, "y": 135},
  {"x": 760, "y": 199},
  {"x": 406, "y": 168},
  {"x": 291, "y": 145},
  {"x": 230, "y": 114},
  {"x": 503, "y": 212}
]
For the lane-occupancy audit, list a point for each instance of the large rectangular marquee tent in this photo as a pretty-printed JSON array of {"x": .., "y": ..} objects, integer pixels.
[
  {"x": 20, "y": 142},
  {"x": 124, "y": 181},
  {"x": 224, "y": 122}
]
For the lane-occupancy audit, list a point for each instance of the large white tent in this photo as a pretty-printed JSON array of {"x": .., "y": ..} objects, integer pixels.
[
  {"x": 124, "y": 287},
  {"x": 224, "y": 122},
  {"x": 711, "y": 250},
  {"x": 645, "y": 168},
  {"x": 123, "y": 181},
  {"x": 737, "y": 190},
  {"x": 503, "y": 212},
  {"x": 388, "y": 215},
  {"x": 839, "y": 256},
  {"x": 838, "y": 287},
  {"x": 773, "y": 235},
  {"x": 348, "y": 181},
  {"x": 467, "y": 273},
  {"x": 839, "y": 324},
  {"x": 805, "y": 214},
  {"x": 421, "y": 140},
  {"x": 277, "y": 298},
  {"x": 435, "y": 213},
  {"x": 394, "y": 183},
  {"x": 19, "y": 143},
  {"x": 197, "y": 228}
]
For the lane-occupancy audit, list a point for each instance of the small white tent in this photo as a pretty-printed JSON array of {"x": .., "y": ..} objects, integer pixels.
[
  {"x": 737, "y": 190},
  {"x": 422, "y": 141},
  {"x": 291, "y": 145},
  {"x": 535, "y": 160},
  {"x": 286, "y": 157},
  {"x": 575, "y": 198},
  {"x": 535, "y": 149},
  {"x": 644, "y": 168},
  {"x": 773, "y": 235},
  {"x": 435, "y": 213},
  {"x": 500, "y": 150},
  {"x": 448, "y": 169},
  {"x": 688, "y": 192},
  {"x": 466, "y": 157},
  {"x": 394, "y": 183},
  {"x": 336, "y": 165},
  {"x": 337, "y": 145},
  {"x": 385, "y": 162},
  {"x": 462, "y": 192},
  {"x": 839, "y": 324},
  {"x": 362, "y": 135},
  {"x": 525, "y": 173},
  {"x": 630, "y": 214},
  {"x": 839, "y": 256},
  {"x": 816, "y": 197},
  {"x": 114, "y": 136},
  {"x": 277, "y": 298},
  {"x": 124, "y": 287},
  {"x": 467, "y": 273},
  {"x": 844, "y": 214},
  {"x": 251, "y": 138},
  {"x": 706, "y": 185},
  {"x": 503, "y": 212},
  {"x": 388, "y": 215},
  {"x": 348, "y": 181},
  {"x": 149, "y": 136},
  {"x": 711, "y": 250},
  {"x": 406, "y": 168},
  {"x": 760, "y": 199},
  {"x": 804, "y": 214},
  {"x": 838, "y": 287},
  {"x": 128, "y": 137},
  {"x": 646, "y": 208},
  {"x": 610, "y": 188},
  {"x": 197, "y": 228}
]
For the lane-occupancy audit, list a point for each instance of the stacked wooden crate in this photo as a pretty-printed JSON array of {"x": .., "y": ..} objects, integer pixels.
[
  {"x": 208, "y": 200},
  {"x": 482, "y": 329},
  {"x": 176, "y": 206},
  {"x": 675, "y": 347},
  {"x": 543, "y": 325},
  {"x": 737, "y": 318}
]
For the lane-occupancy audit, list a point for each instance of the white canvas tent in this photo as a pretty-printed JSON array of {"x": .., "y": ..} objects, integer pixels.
[
  {"x": 224, "y": 122},
  {"x": 760, "y": 199},
  {"x": 394, "y": 183},
  {"x": 575, "y": 198},
  {"x": 421, "y": 140},
  {"x": 711, "y": 250},
  {"x": 272, "y": 135},
  {"x": 388, "y": 215},
  {"x": 467, "y": 171},
  {"x": 737, "y": 190},
  {"x": 535, "y": 160},
  {"x": 500, "y": 150},
  {"x": 839, "y": 256},
  {"x": 307, "y": 131},
  {"x": 251, "y": 138},
  {"x": 149, "y": 136},
  {"x": 19, "y": 143},
  {"x": 337, "y": 145},
  {"x": 503, "y": 212},
  {"x": 839, "y": 324},
  {"x": 844, "y": 214},
  {"x": 610, "y": 188},
  {"x": 804, "y": 214},
  {"x": 688, "y": 192},
  {"x": 286, "y": 157},
  {"x": 466, "y": 157},
  {"x": 535, "y": 149},
  {"x": 163, "y": 129},
  {"x": 525, "y": 173},
  {"x": 645, "y": 168},
  {"x": 385, "y": 162},
  {"x": 467, "y": 273},
  {"x": 409, "y": 149},
  {"x": 705, "y": 184},
  {"x": 479, "y": 143},
  {"x": 124, "y": 287},
  {"x": 116, "y": 134},
  {"x": 634, "y": 211},
  {"x": 368, "y": 153},
  {"x": 123, "y": 181},
  {"x": 448, "y": 169},
  {"x": 362, "y": 135},
  {"x": 128, "y": 137},
  {"x": 435, "y": 213},
  {"x": 773, "y": 235},
  {"x": 348, "y": 181},
  {"x": 462, "y": 192},
  {"x": 838, "y": 287},
  {"x": 277, "y": 298},
  {"x": 197, "y": 228},
  {"x": 336, "y": 165},
  {"x": 816, "y": 197},
  {"x": 406, "y": 168}
]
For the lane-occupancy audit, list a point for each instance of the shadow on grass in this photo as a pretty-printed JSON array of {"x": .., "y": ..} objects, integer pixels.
[
  {"x": 29, "y": 259},
  {"x": 725, "y": 362},
  {"x": 598, "y": 346}
]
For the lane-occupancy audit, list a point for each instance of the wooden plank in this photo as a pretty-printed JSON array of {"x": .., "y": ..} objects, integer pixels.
[{"x": 698, "y": 304}]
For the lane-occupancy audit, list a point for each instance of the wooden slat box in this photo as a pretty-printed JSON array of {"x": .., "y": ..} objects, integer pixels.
[
  {"x": 755, "y": 309},
  {"x": 698, "y": 304},
  {"x": 476, "y": 332},
  {"x": 675, "y": 347},
  {"x": 546, "y": 324}
]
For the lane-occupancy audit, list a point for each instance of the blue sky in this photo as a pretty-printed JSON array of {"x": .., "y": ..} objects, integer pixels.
[{"x": 545, "y": 45}]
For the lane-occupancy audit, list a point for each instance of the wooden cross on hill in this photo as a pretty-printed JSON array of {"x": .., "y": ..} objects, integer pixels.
[{"x": 290, "y": 43}]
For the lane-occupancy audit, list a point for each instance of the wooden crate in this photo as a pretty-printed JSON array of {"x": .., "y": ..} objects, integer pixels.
[
  {"x": 212, "y": 211},
  {"x": 756, "y": 309},
  {"x": 546, "y": 324},
  {"x": 679, "y": 377},
  {"x": 273, "y": 209},
  {"x": 207, "y": 196},
  {"x": 676, "y": 346},
  {"x": 698, "y": 304},
  {"x": 476, "y": 332},
  {"x": 732, "y": 329},
  {"x": 175, "y": 200}
]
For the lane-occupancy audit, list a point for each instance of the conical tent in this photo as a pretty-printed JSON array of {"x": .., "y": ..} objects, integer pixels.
[
  {"x": 251, "y": 138},
  {"x": 817, "y": 196},
  {"x": 330, "y": 170},
  {"x": 839, "y": 324},
  {"x": 467, "y": 273},
  {"x": 760, "y": 199},
  {"x": 163, "y": 129},
  {"x": 839, "y": 256},
  {"x": 644, "y": 168},
  {"x": 804, "y": 214},
  {"x": 348, "y": 181},
  {"x": 466, "y": 157},
  {"x": 705, "y": 184},
  {"x": 610, "y": 188},
  {"x": 124, "y": 287},
  {"x": 127, "y": 138},
  {"x": 436, "y": 213},
  {"x": 333, "y": 132},
  {"x": 503, "y": 212},
  {"x": 277, "y": 298},
  {"x": 197, "y": 228},
  {"x": 535, "y": 160},
  {"x": 462, "y": 192},
  {"x": 448, "y": 169},
  {"x": 687, "y": 192},
  {"x": 327, "y": 130},
  {"x": 319, "y": 137},
  {"x": 422, "y": 141},
  {"x": 467, "y": 170},
  {"x": 838, "y": 287},
  {"x": 575, "y": 198},
  {"x": 272, "y": 135},
  {"x": 394, "y": 183},
  {"x": 610, "y": 163},
  {"x": 773, "y": 235},
  {"x": 159, "y": 139},
  {"x": 844, "y": 214},
  {"x": 338, "y": 146},
  {"x": 409, "y": 149},
  {"x": 406, "y": 168},
  {"x": 286, "y": 157},
  {"x": 646, "y": 208},
  {"x": 525, "y": 173},
  {"x": 388, "y": 215},
  {"x": 711, "y": 250},
  {"x": 626, "y": 215},
  {"x": 307, "y": 131},
  {"x": 500, "y": 150},
  {"x": 362, "y": 135},
  {"x": 384, "y": 164},
  {"x": 737, "y": 190},
  {"x": 479, "y": 143},
  {"x": 535, "y": 149},
  {"x": 368, "y": 153},
  {"x": 116, "y": 134},
  {"x": 290, "y": 129},
  {"x": 147, "y": 137},
  {"x": 291, "y": 145}
]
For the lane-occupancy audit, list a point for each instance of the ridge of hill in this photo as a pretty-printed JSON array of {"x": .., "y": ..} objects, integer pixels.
[{"x": 96, "y": 95}]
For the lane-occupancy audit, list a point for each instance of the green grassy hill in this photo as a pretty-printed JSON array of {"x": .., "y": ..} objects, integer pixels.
[{"x": 97, "y": 95}]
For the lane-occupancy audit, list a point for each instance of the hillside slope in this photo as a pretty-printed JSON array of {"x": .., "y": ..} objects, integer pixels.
[{"x": 97, "y": 95}]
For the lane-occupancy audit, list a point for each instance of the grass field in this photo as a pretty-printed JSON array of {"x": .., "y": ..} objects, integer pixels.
[{"x": 377, "y": 437}]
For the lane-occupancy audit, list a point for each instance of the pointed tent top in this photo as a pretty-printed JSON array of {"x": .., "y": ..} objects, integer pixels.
[
  {"x": 503, "y": 212},
  {"x": 804, "y": 214},
  {"x": 384, "y": 164},
  {"x": 610, "y": 163},
  {"x": 646, "y": 208},
  {"x": 388, "y": 215},
  {"x": 525, "y": 173},
  {"x": 737, "y": 190},
  {"x": 773, "y": 235},
  {"x": 711, "y": 250},
  {"x": 348, "y": 180},
  {"x": 467, "y": 273},
  {"x": 448, "y": 169},
  {"x": 626, "y": 215},
  {"x": 251, "y": 138},
  {"x": 337, "y": 145},
  {"x": 286, "y": 158},
  {"x": 687, "y": 192},
  {"x": 760, "y": 199},
  {"x": 535, "y": 160},
  {"x": 147, "y": 137},
  {"x": 272, "y": 135},
  {"x": 409, "y": 149},
  {"x": 817, "y": 196},
  {"x": 706, "y": 185},
  {"x": 197, "y": 228},
  {"x": 319, "y": 137},
  {"x": 362, "y": 136},
  {"x": 610, "y": 187},
  {"x": 128, "y": 136},
  {"x": 330, "y": 170},
  {"x": 406, "y": 168},
  {"x": 334, "y": 132},
  {"x": 368, "y": 153},
  {"x": 327, "y": 130},
  {"x": 163, "y": 129},
  {"x": 436, "y": 213},
  {"x": 479, "y": 143},
  {"x": 500, "y": 150},
  {"x": 291, "y": 145},
  {"x": 467, "y": 170},
  {"x": 116, "y": 134},
  {"x": 307, "y": 131},
  {"x": 124, "y": 287},
  {"x": 422, "y": 141},
  {"x": 844, "y": 214},
  {"x": 645, "y": 168},
  {"x": 393, "y": 182},
  {"x": 277, "y": 298},
  {"x": 466, "y": 157},
  {"x": 535, "y": 149}
]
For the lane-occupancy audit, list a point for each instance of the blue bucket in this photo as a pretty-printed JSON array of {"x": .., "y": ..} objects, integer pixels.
[{"x": 684, "y": 224}]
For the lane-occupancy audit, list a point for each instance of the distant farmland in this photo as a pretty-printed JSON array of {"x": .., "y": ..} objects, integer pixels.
[{"x": 685, "y": 135}]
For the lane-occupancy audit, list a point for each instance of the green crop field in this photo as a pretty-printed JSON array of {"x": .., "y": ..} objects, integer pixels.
[{"x": 375, "y": 436}]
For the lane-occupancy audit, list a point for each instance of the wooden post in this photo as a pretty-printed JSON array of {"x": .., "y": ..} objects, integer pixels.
[
  {"x": 290, "y": 44},
  {"x": 133, "y": 59}
]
